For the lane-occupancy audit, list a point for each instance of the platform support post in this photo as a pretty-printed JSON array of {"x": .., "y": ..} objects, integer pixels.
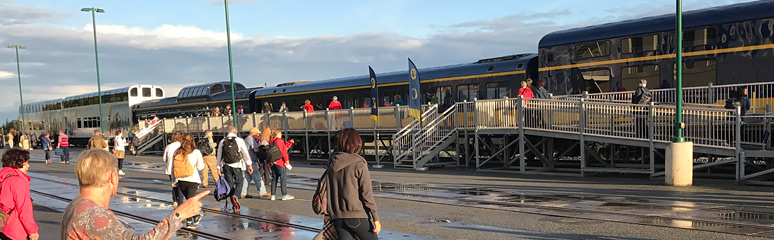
[{"x": 520, "y": 116}]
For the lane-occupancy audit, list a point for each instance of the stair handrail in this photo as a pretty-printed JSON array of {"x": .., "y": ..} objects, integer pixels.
[
  {"x": 421, "y": 136},
  {"x": 407, "y": 132}
]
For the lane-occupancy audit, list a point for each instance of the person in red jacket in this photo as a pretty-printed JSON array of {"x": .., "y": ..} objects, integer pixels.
[
  {"x": 525, "y": 91},
  {"x": 308, "y": 106},
  {"x": 335, "y": 104},
  {"x": 15, "y": 196},
  {"x": 278, "y": 169}
]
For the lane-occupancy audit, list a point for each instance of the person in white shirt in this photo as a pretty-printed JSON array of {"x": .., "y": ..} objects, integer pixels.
[
  {"x": 168, "y": 157},
  {"x": 187, "y": 182},
  {"x": 119, "y": 147},
  {"x": 233, "y": 156},
  {"x": 254, "y": 146}
]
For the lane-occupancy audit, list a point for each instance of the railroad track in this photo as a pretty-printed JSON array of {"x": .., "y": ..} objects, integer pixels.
[{"x": 411, "y": 192}]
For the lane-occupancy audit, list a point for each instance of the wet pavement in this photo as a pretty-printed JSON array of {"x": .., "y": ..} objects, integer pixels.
[{"x": 249, "y": 224}]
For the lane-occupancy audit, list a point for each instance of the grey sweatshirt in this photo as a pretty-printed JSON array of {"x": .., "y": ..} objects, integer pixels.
[{"x": 351, "y": 195}]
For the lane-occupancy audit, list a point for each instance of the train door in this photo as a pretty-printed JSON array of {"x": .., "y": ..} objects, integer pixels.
[{"x": 592, "y": 80}]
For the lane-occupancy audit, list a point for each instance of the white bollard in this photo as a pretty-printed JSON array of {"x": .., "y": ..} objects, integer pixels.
[{"x": 679, "y": 164}]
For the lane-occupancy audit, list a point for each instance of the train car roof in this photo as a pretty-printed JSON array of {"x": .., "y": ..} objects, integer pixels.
[
  {"x": 94, "y": 94},
  {"x": 205, "y": 90},
  {"x": 239, "y": 94},
  {"x": 634, "y": 27},
  {"x": 499, "y": 65}
]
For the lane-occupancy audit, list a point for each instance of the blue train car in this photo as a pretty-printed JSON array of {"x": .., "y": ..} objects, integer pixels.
[{"x": 722, "y": 45}]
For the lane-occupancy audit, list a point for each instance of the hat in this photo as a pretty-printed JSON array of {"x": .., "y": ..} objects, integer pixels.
[
  {"x": 643, "y": 81},
  {"x": 61, "y": 131},
  {"x": 254, "y": 130}
]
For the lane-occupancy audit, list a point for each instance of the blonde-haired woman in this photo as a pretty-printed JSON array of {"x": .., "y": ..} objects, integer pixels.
[
  {"x": 188, "y": 181},
  {"x": 265, "y": 164},
  {"x": 279, "y": 165}
]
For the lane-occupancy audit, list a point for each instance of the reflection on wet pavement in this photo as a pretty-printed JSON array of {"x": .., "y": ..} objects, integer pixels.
[{"x": 251, "y": 224}]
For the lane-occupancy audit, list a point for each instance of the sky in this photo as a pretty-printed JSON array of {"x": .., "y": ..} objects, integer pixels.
[{"x": 176, "y": 43}]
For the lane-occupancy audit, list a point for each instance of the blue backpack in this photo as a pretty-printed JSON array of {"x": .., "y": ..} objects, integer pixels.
[{"x": 221, "y": 189}]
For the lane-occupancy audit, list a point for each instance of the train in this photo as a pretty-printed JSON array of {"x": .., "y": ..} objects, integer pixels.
[{"x": 722, "y": 45}]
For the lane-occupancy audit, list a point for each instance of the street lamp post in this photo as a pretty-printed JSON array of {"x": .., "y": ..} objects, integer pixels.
[
  {"x": 96, "y": 59},
  {"x": 230, "y": 67},
  {"x": 679, "y": 65},
  {"x": 18, "y": 75},
  {"x": 679, "y": 153}
]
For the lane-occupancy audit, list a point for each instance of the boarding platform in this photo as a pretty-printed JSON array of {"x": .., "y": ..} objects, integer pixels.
[{"x": 574, "y": 135}]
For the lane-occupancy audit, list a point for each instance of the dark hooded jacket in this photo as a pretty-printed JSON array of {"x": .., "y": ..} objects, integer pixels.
[{"x": 351, "y": 195}]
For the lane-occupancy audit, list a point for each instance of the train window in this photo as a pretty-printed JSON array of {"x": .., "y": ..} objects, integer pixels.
[
  {"x": 217, "y": 88},
  {"x": 630, "y": 76},
  {"x": 592, "y": 49},
  {"x": 640, "y": 44},
  {"x": 496, "y": 90},
  {"x": 698, "y": 37},
  {"x": 596, "y": 81},
  {"x": 520, "y": 66},
  {"x": 146, "y": 92},
  {"x": 697, "y": 73},
  {"x": 159, "y": 92},
  {"x": 133, "y": 92},
  {"x": 491, "y": 68},
  {"x": 466, "y": 93},
  {"x": 78, "y": 122}
]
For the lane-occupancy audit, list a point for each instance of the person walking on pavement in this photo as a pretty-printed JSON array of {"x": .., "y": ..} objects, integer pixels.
[
  {"x": 97, "y": 142},
  {"x": 119, "y": 150},
  {"x": 9, "y": 140},
  {"x": 15, "y": 196},
  {"x": 168, "y": 156},
  {"x": 207, "y": 148},
  {"x": 185, "y": 167},
  {"x": 64, "y": 143},
  {"x": 25, "y": 142},
  {"x": 263, "y": 156},
  {"x": 351, "y": 202},
  {"x": 279, "y": 167},
  {"x": 89, "y": 216},
  {"x": 335, "y": 104},
  {"x": 232, "y": 157},
  {"x": 46, "y": 144},
  {"x": 254, "y": 148}
]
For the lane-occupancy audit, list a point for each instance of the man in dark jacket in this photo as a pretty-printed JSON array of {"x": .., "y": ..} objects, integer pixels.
[
  {"x": 540, "y": 90},
  {"x": 642, "y": 95}
]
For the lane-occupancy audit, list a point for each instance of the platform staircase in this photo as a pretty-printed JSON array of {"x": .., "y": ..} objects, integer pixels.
[
  {"x": 150, "y": 139},
  {"x": 423, "y": 142}
]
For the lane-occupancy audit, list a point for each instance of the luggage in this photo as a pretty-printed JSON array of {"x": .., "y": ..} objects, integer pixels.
[
  {"x": 231, "y": 151},
  {"x": 58, "y": 152},
  {"x": 221, "y": 189}
]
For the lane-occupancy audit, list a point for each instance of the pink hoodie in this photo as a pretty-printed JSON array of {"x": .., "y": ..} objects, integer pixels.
[{"x": 16, "y": 195}]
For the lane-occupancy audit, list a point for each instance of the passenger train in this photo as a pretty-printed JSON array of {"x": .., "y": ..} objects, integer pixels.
[
  {"x": 79, "y": 115},
  {"x": 722, "y": 45}
]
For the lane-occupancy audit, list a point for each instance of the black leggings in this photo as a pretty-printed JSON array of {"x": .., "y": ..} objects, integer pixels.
[
  {"x": 120, "y": 164},
  {"x": 354, "y": 228},
  {"x": 188, "y": 188}
]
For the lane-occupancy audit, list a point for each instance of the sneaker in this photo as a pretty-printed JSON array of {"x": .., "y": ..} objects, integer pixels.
[
  {"x": 121, "y": 172},
  {"x": 287, "y": 197},
  {"x": 273, "y": 198},
  {"x": 197, "y": 219},
  {"x": 265, "y": 195},
  {"x": 236, "y": 203}
]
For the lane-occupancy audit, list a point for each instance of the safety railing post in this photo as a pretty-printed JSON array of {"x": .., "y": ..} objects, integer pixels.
[
  {"x": 738, "y": 143},
  {"x": 285, "y": 125},
  {"x": 398, "y": 123},
  {"x": 255, "y": 126},
  {"x": 651, "y": 136},
  {"x": 710, "y": 94},
  {"x": 767, "y": 121},
  {"x": 187, "y": 123},
  {"x": 328, "y": 131},
  {"x": 351, "y": 117},
  {"x": 581, "y": 130},
  {"x": 208, "y": 123},
  {"x": 520, "y": 115},
  {"x": 475, "y": 133},
  {"x": 268, "y": 119},
  {"x": 221, "y": 126},
  {"x": 306, "y": 136}
]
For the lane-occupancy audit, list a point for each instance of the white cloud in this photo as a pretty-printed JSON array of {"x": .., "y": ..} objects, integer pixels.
[{"x": 5, "y": 74}]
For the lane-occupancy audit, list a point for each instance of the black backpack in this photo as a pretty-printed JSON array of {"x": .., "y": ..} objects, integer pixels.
[
  {"x": 204, "y": 147},
  {"x": 273, "y": 152},
  {"x": 231, "y": 151},
  {"x": 263, "y": 156}
]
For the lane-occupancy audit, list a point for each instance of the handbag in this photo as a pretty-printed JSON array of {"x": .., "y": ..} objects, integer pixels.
[
  {"x": 58, "y": 152},
  {"x": 320, "y": 197},
  {"x": 118, "y": 154}
]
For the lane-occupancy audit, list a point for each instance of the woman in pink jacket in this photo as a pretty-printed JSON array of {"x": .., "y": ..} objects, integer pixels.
[
  {"x": 15, "y": 196},
  {"x": 278, "y": 169}
]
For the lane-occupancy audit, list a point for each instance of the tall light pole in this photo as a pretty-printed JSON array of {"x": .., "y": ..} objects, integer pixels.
[
  {"x": 230, "y": 67},
  {"x": 679, "y": 65},
  {"x": 96, "y": 59},
  {"x": 18, "y": 75}
]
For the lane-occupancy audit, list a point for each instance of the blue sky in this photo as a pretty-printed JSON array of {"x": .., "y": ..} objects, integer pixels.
[{"x": 175, "y": 43}]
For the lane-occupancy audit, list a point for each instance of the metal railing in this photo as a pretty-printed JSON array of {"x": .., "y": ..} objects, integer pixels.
[
  {"x": 435, "y": 132},
  {"x": 403, "y": 140}
]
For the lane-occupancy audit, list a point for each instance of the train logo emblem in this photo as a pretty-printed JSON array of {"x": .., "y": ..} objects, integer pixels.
[{"x": 413, "y": 74}]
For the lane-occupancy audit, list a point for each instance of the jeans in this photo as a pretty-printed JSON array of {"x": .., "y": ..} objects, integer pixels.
[
  {"x": 265, "y": 170},
  {"x": 48, "y": 154},
  {"x": 354, "y": 228},
  {"x": 177, "y": 194},
  {"x": 255, "y": 177},
  {"x": 65, "y": 154},
  {"x": 234, "y": 178},
  {"x": 6, "y": 146},
  {"x": 279, "y": 174}
]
